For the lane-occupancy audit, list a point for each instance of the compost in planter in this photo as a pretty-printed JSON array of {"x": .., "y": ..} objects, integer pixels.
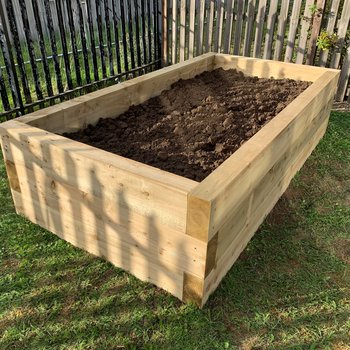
[{"x": 193, "y": 127}]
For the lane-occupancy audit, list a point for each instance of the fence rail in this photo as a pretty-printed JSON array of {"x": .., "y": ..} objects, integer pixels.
[
  {"x": 51, "y": 50},
  {"x": 286, "y": 30}
]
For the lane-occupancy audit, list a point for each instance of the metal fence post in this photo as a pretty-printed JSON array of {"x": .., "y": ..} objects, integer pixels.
[{"x": 11, "y": 68}]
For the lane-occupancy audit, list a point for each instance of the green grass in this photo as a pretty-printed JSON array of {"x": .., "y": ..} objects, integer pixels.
[{"x": 290, "y": 289}]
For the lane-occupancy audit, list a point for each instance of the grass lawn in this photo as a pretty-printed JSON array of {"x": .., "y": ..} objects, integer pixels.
[{"x": 290, "y": 289}]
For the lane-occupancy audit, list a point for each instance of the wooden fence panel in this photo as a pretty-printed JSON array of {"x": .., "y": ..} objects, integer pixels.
[
  {"x": 342, "y": 30},
  {"x": 315, "y": 30},
  {"x": 200, "y": 28},
  {"x": 191, "y": 28},
  {"x": 249, "y": 28},
  {"x": 271, "y": 20},
  {"x": 182, "y": 29},
  {"x": 210, "y": 26},
  {"x": 218, "y": 25},
  {"x": 292, "y": 31},
  {"x": 260, "y": 19},
  {"x": 228, "y": 26},
  {"x": 174, "y": 32},
  {"x": 304, "y": 31},
  {"x": 282, "y": 21},
  {"x": 332, "y": 18}
]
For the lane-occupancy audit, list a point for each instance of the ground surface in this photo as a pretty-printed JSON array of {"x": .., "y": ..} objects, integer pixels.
[
  {"x": 198, "y": 123},
  {"x": 290, "y": 289}
]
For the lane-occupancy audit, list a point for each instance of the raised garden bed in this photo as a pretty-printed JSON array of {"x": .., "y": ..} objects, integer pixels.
[{"x": 180, "y": 234}]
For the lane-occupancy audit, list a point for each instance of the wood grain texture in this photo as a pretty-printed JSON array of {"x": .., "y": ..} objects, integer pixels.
[
  {"x": 315, "y": 31},
  {"x": 228, "y": 26},
  {"x": 342, "y": 25},
  {"x": 267, "y": 68},
  {"x": 293, "y": 27},
  {"x": 238, "y": 28},
  {"x": 240, "y": 241},
  {"x": 304, "y": 32},
  {"x": 259, "y": 31},
  {"x": 174, "y": 19},
  {"x": 218, "y": 25},
  {"x": 282, "y": 21},
  {"x": 209, "y": 26},
  {"x": 191, "y": 28},
  {"x": 249, "y": 28},
  {"x": 271, "y": 20},
  {"x": 344, "y": 77},
  {"x": 227, "y": 185},
  {"x": 100, "y": 206},
  {"x": 200, "y": 27},
  {"x": 330, "y": 29},
  {"x": 182, "y": 29}
]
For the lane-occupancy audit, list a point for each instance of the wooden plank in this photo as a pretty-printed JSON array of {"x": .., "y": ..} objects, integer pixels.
[
  {"x": 182, "y": 29},
  {"x": 12, "y": 175},
  {"x": 120, "y": 224},
  {"x": 238, "y": 28},
  {"x": 271, "y": 20},
  {"x": 344, "y": 77},
  {"x": 200, "y": 28},
  {"x": 341, "y": 32},
  {"x": 282, "y": 21},
  {"x": 315, "y": 31},
  {"x": 292, "y": 31},
  {"x": 259, "y": 31},
  {"x": 218, "y": 25},
  {"x": 225, "y": 262},
  {"x": 174, "y": 33},
  {"x": 332, "y": 17},
  {"x": 210, "y": 25},
  {"x": 232, "y": 178},
  {"x": 249, "y": 28},
  {"x": 191, "y": 28},
  {"x": 254, "y": 198},
  {"x": 304, "y": 32},
  {"x": 228, "y": 27},
  {"x": 130, "y": 259},
  {"x": 165, "y": 33},
  {"x": 267, "y": 68},
  {"x": 79, "y": 112}
]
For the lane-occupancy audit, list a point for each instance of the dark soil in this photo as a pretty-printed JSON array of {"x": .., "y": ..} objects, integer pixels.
[{"x": 192, "y": 128}]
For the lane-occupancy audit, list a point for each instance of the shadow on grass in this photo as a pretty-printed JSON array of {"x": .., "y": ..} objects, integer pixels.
[{"x": 289, "y": 289}]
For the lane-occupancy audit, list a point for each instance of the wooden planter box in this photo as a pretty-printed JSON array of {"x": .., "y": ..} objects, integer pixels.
[{"x": 179, "y": 234}]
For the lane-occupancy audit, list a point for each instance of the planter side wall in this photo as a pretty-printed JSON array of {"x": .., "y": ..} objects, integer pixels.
[
  {"x": 83, "y": 196},
  {"x": 227, "y": 208}
]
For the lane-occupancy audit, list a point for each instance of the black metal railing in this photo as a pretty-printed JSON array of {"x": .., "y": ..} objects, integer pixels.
[{"x": 54, "y": 50}]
